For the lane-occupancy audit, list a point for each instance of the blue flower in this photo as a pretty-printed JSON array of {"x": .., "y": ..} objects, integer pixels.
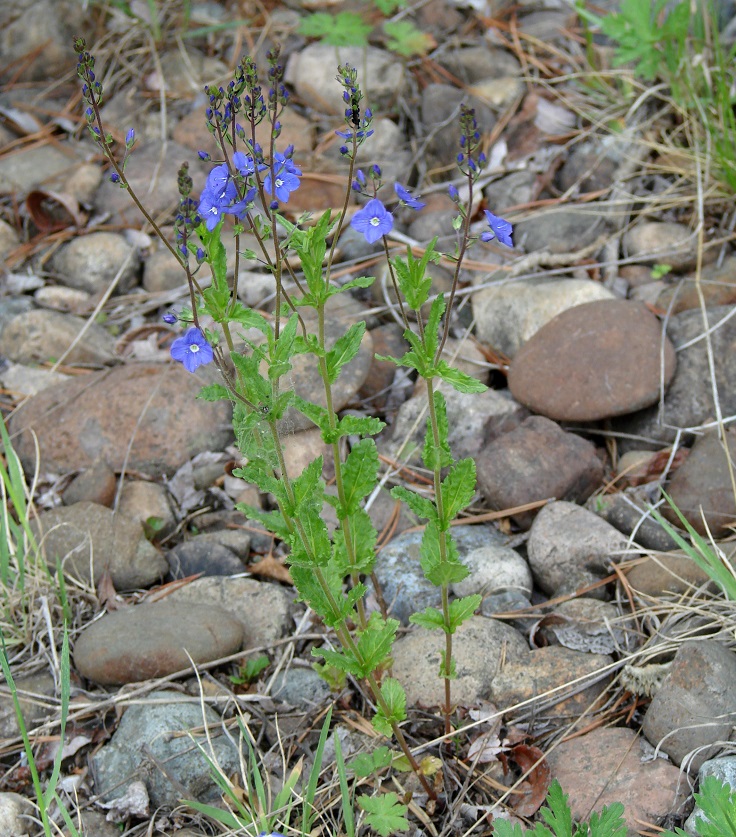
[
  {"x": 406, "y": 198},
  {"x": 500, "y": 230},
  {"x": 212, "y": 206},
  {"x": 192, "y": 350},
  {"x": 245, "y": 164},
  {"x": 285, "y": 178},
  {"x": 171, "y": 319},
  {"x": 373, "y": 221}
]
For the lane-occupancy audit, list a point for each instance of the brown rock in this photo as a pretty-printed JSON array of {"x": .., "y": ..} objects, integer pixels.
[
  {"x": 665, "y": 242},
  {"x": 665, "y": 572},
  {"x": 694, "y": 710},
  {"x": 97, "y": 485},
  {"x": 718, "y": 284},
  {"x": 702, "y": 488},
  {"x": 536, "y": 461},
  {"x": 605, "y": 766},
  {"x": 545, "y": 669},
  {"x": 144, "y": 415},
  {"x": 153, "y": 640},
  {"x": 597, "y": 360}
]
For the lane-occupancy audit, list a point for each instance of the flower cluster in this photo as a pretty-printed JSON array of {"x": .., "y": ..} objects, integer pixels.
[
  {"x": 283, "y": 176},
  {"x": 469, "y": 159},
  {"x": 374, "y": 221},
  {"x": 220, "y": 195}
]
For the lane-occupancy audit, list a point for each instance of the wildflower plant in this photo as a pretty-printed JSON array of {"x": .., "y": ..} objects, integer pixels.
[{"x": 244, "y": 193}]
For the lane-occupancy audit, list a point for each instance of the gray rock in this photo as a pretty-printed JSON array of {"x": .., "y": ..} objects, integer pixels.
[
  {"x": 90, "y": 263},
  {"x": 472, "y": 64},
  {"x": 162, "y": 271},
  {"x": 38, "y": 336},
  {"x": 205, "y": 557},
  {"x": 627, "y": 511},
  {"x": 150, "y": 504},
  {"x": 301, "y": 687},
  {"x": 564, "y": 230},
  {"x": 8, "y": 239},
  {"x": 585, "y": 624},
  {"x": 154, "y": 640},
  {"x": 440, "y": 109},
  {"x": 28, "y": 380},
  {"x": 512, "y": 190},
  {"x": 693, "y": 712},
  {"x": 664, "y": 242},
  {"x": 480, "y": 647},
  {"x": 592, "y": 165},
  {"x": 508, "y": 315},
  {"x": 61, "y": 298},
  {"x": 33, "y": 694},
  {"x": 11, "y": 306},
  {"x": 264, "y": 610},
  {"x": 87, "y": 535},
  {"x": 472, "y": 418},
  {"x": 162, "y": 733},
  {"x": 536, "y": 461},
  {"x": 33, "y": 166},
  {"x": 723, "y": 769},
  {"x": 566, "y": 539},
  {"x": 689, "y": 400},
  {"x": 494, "y": 568},
  {"x": 403, "y": 585},
  {"x": 142, "y": 416},
  {"x": 312, "y": 71}
]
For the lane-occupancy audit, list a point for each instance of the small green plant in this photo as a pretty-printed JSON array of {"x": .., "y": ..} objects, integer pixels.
[
  {"x": 250, "y": 670},
  {"x": 609, "y": 823},
  {"x": 717, "y": 803},
  {"x": 659, "y": 271}
]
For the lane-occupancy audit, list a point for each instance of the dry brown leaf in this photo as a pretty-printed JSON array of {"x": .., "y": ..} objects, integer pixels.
[
  {"x": 270, "y": 567},
  {"x": 533, "y": 790},
  {"x": 107, "y": 594}
]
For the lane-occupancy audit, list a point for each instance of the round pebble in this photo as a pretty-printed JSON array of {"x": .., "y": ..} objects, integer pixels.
[{"x": 595, "y": 361}]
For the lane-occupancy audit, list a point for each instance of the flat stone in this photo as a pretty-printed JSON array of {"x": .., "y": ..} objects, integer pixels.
[
  {"x": 559, "y": 230},
  {"x": 90, "y": 263},
  {"x": 480, "y": 647},
  {"x": 87, "y": 536},
  {"x": 154, "y": 640},
  {"x": 701, "y": 487},
  {"x": 566, "y": 540},
  {"x": 593, "y": 361},
  {"x": 494, "y": 568},
  {"x": 664, "y": 242},
  {"x": 627, "y": 510},
  {"x": 666, "y": 572},
  {"x": 607, "y": 766},
  {"x": 17, "y": 815},
  {"x": 536, "y": 461},
  {"x": 35, "y": 695},
  {"x": 543, "y": 669},
  {"x": 717, "y": 283},
  {"x": 42, "y": 335},
  {"x": 143, "y": 416},
  {"x": 693, "y": 711}
]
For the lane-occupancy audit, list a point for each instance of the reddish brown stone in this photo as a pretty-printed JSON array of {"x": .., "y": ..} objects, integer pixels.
[{"x": 594, "y": 361}]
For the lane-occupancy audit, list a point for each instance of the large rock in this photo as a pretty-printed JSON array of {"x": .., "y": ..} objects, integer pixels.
[
  {"x": 154, "y": 640},
  {"x": 90, "y": 540},
  {"x": 144, "y": 417},
  {"x": 537, "y": 461},
  {"x": 593, "y": 361}
]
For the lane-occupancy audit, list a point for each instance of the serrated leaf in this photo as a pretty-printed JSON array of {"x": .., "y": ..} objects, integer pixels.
[
  {"x": 394, "y": 699},
  {"x": 308, "y": 487},
  {"x": 463, "y": 609},
  {"x": 405, "y": 39},
  {"x": 249, "y": 318},
  {"x": 345, "y": 349},
  {"x": 366, "y": 763},
  {"x": 343, "y": 29},
  {"x": 214, "y": 392},
  {"x": 359, "y": 282},
  {"x": 421, "y": 506},
  {"x": 440, "y": 572},
  {"x": 362, "y": 535},
  {"x": 350, "y": 425},
  {"x": 431, "y": 332},
  {"x": 375, "y": 641},
  {"x": 459, "y": 380},
  {"x": 273, "y": 521},
  {"x": 311, "y": 591},
  {"x": 430, "y": 618},
  {"x": 384, "y": 813},
  {"x": 458, "y": 490},
  {"x": 359, "y": 473},
  {"x": 314, "y": 412}
]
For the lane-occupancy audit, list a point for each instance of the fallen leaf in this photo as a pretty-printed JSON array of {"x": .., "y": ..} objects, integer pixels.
[
  {"x": 270, "y": 567},
  {"x": 133, "y": 803},
  {"x": 52, "y": 211},
  {"x": 533, "y": 790},
  {"x": 486, "y": 748},
  {"x": 107, "y": 594}
]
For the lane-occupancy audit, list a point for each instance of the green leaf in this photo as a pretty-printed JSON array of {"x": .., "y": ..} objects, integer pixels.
[
  {"x": 388, "y": 7},
  {"x": 717, "y": 802},
  {"x": 421, "y": 506},
  {"x": 462, "y": 609},
  {"x": 458, "y": 490},
  {"x": 214, "y": 392},
  {"x": 374, "y": 643},
  {"x": 273, "y": 521},
  {"x": 405, "y": 39},
  {"x": 394, "y": 699},
  {"x": 248, "y": 318},
  {"x": 459, "y": 380},
  {"x": 308, "y": 488},
  {"x": 558, "y": 816},
  {"x": 430, "y": 618},
  {"x": 436, "y": 570},
  {"x": 359, "y": 473},
  {"x": 431, "y": 335},
  {"x": 345, "y": 349},
  {"x": 343, "y": 29},
  {"x": 360, "y": 426},
  {"x": 365, "y": 764},
  {"x": 313, "y": 530},
  {"x": 329, "y": 608},
  {"x": 384, "y": 813},
  {"x": 360, "y": 282},
  {"x": 363, "y": 540},
  {"x": 432, "y": 456}
]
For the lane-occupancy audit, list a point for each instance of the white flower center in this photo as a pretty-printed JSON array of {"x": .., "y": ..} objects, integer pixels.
[
  {"x": 375, "y": 221},
  {"x": 194, "y": 348},
  {"x": 279, "y": 182},
  {"x": 214, "y": 210}
]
